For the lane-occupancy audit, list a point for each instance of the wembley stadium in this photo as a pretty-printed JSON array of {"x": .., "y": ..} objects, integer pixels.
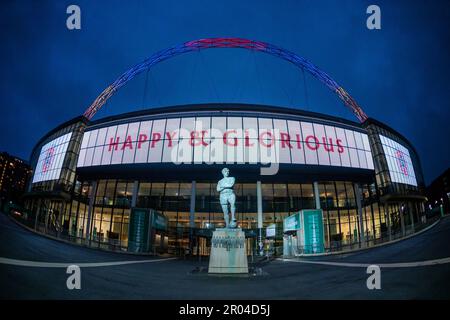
[{"x": 145, "y": 181}]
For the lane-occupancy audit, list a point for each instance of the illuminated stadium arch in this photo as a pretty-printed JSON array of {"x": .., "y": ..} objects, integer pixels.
[{"x": 226, "y": 43}]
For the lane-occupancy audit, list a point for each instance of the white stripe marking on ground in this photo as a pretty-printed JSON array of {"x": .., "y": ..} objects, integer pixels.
[
  {"x": 39, "y": 264},
  {"x": 381, "y": 265}
]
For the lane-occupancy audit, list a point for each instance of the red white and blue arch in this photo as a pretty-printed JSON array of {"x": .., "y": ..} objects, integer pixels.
[{"x": 226, "y": 43}]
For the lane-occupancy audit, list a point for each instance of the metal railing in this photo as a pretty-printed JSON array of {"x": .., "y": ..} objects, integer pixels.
[
  {"x": 338, "y": 246},
  {"x": 55, "y": 230}
]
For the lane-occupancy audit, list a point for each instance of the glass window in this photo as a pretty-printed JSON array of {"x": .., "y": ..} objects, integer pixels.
[
  {"x": 354, "y": 228},
  {"x": 105, "y": 225},
  {"x": 73, "y": 219},
  {"x": 172, "y": 190},
  {"x": 368, "y": 223},
  {"x": 143, "y": 198},
  {"x": 280, "y": 201},
  {"x": 345, "y": 226},
  {"x": 308, "y": 201},
  {"x": 280, "y": 191},
  {"x": 185, "y": 189},
  {"x": 267, "y": 191},
  {"x": 86, "y": 190},
  {"x": 184, "y": 197},
  {"x": 295, "y": 195},
  {"x": 100, "y": 192},
  {"x": 267, "y": 202},
  {"x": 116, "y": 224},
  {"x": 351, "y": 201},
  {"x": 249, "y": 197},
  {"x": 322, "y": 196},
  {"x": 171, "y": 197},
  {"x": 123, "y": 196},
  {"x": 334, "y": 227},
  {"x": 96, "y": 234},
  {"x": 124, "y": 228},
  {"x": 330, "y": 195},
  {"x": 202, "y": 197},
  {"x": 109, "y": 193},
  {"x": 341, "y": 195}
]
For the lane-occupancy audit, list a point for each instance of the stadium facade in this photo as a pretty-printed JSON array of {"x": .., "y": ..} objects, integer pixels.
[
  {"x": 146, "y": 181},
  {"x": 89, "y": 176}
]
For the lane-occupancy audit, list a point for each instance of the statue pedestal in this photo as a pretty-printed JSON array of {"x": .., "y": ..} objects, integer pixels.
[{"x": 228, "y": 252}]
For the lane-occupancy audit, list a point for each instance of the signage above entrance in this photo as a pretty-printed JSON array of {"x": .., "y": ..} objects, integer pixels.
[{"x": 223, "y": 140}]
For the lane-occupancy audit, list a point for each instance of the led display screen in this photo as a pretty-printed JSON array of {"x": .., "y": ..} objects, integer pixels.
[
  {"x": 399, "y": 162},
  {"x": 51, "y": 159},
  {"x": 225, "y": 140}
]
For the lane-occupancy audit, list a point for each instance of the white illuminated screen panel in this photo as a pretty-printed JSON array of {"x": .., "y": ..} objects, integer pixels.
[
  {"x": 51, "y": 159},
  {"x": 399, "y": 162},
  {"x": 226, "y": 140}
]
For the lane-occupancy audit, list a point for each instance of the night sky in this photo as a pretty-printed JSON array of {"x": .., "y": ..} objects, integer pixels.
[{"x": 399, "y": 74}]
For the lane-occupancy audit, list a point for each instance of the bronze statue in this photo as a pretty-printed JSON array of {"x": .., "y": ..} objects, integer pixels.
[{"x": 227, "y": 197}]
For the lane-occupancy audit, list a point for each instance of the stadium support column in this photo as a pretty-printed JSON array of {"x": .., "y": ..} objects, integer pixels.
[
  {"x": 90, "y": 209},
  {"x": 317, "y": 201},
  {"x": 135, "y": 193},
  {"x": 388, "y": 220},
  {"x": 411, "y": 217},
  {"x": 192, "y": 215},
  {"x": 316, "y": 194},
  {"x": 362, "y": 235},
  {"x": 402, "y": 220},
  {"x": 260, "y": 215},
  {"x": 38, "y": 209}
]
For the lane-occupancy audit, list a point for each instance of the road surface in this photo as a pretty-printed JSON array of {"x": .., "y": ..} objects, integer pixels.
[{"x": 138, "y": 277}]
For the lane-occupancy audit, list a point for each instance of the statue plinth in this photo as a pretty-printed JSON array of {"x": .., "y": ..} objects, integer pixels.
[{"x": 228, "y": 252}]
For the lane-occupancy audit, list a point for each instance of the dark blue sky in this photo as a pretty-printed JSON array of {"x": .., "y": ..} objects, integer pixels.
[{"x": 399, "y": 74}]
